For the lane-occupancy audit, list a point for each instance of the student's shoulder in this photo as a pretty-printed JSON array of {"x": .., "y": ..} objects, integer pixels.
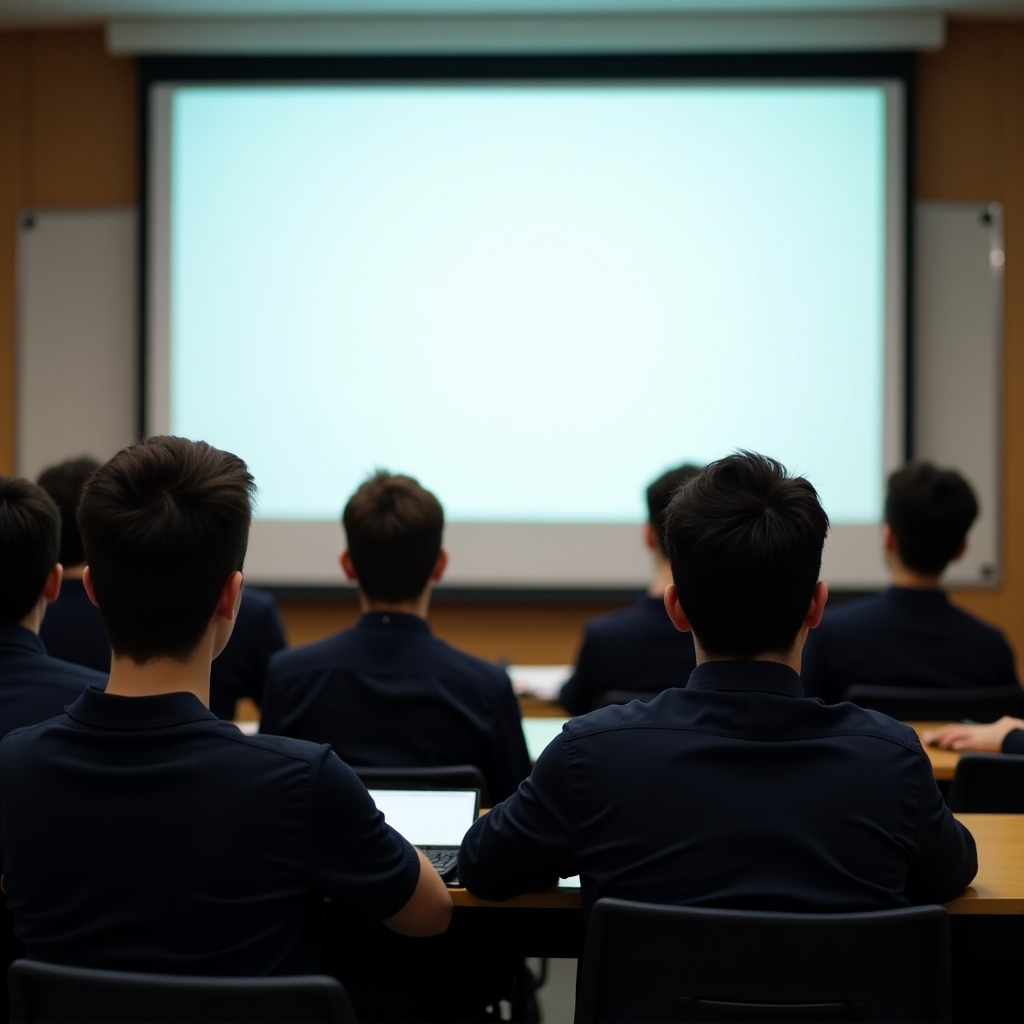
[
  {"x": 316, "y": 656},
  {"x": 462, "y": 667}
]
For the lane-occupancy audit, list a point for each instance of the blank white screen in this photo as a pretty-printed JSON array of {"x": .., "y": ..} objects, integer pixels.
[{"x": 535, "y": 298}]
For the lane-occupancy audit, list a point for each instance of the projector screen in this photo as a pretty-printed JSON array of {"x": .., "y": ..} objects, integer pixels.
[{"x": 534, "y": 296}]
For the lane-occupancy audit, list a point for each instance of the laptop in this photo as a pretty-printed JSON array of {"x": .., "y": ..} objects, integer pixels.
[{"x": 435, "y": 820}]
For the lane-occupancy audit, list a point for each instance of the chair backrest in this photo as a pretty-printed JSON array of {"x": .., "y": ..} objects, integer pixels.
[
  {"x": 650, "y": 962},
  {"x": 449, "y": 776},
  {"x": 988, "y": 784},
  {"x": 922, "y": 704},
  {"x": 78, "y": 995}
]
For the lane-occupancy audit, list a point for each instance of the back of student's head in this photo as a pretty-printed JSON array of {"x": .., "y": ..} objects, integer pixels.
[
  {"x": 393, "y": 528},
  {"x": 29, "y": 539},
  {"x": 165, "y": 523},
  {"x": 930, "y": 511},
  {"x": 659, "y": 494},
  {"x": 744, "y": 541},
  {"x": 64, "y": 483}
]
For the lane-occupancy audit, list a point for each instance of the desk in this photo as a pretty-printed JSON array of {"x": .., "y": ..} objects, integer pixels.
[{"x": 998, "y": 889}]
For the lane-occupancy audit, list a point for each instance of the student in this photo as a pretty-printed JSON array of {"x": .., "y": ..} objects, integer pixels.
[
  {"x": 910, "y": 634},
  {"x": 73, "y": 628},
  {"x": 636, "y": 649},
  {"x": 137, "y": 830},
  {"x": 735, "y": 791},
  {"x": 35, "y": 686},
  {"x": 388, "y": 692}
]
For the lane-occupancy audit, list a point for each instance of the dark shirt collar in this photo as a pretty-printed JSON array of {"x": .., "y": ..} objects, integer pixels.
[
  {"x": 917, "y": 597},
  {"x": 746, "y": 676},
  {"x": 114, "y": 711},
  {"x": 393, "y": 620},
  {"x": 13, "y": 634}
]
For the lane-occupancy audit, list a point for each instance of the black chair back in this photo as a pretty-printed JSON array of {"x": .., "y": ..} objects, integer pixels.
[
  {"x": 43, "y": 993},
  {"x": 988, "y": 784},
  {"x": 936, "y": 704},
  {"x": 453, "y": 776},
  {"x": 648, "y": 962}
]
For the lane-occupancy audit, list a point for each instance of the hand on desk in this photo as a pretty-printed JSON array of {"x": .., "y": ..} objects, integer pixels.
[{"x": 973, "y": 737}]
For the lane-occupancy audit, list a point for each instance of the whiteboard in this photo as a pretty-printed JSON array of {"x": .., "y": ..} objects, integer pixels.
[
  {"x": 957, "y": 364},
  {"x": 78, "y": 352},
  {"x": 77, "y": 356}
]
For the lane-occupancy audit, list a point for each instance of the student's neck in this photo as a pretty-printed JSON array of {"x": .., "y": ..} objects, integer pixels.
[
  {"x": 900, "y": 576},
  {"x": 160, "y": 675},
  {"x": 419, "y": 607}
]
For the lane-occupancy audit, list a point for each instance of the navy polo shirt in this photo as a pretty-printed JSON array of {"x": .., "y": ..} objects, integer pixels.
[
  {"x": 34, "y": 686},
  {"x": 389, "y": 693},
  {"x": 903, "y": 637},
  {"x": 636, "y": 648},
  {"x": 736, "y": 791},
  {"x": 143, "y": 833}
]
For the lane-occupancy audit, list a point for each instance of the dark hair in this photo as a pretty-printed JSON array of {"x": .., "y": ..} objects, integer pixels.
[
  {"x": 660, "y": 492},
  {"x": 744, "y": 541},
  {"x": 64, "y": 483},
  {"x": 165, "y": 523},
  {"x": 393, "y": 527},
  {"x": 930, "y": 511},
  {"x": 29, "y": 536}
]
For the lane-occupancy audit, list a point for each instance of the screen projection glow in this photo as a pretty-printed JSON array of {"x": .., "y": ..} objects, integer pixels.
[{"x": 533, "y": 297}]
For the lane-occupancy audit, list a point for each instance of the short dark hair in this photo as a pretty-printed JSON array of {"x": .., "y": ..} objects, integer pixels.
[
  {"x": 744, "y": 541},
  {"x": 64, "y": 483},
  {"x": 659, "y": 494},
  {"x": 165, "y": 523},
  {"x": 29, "y": 538},
  {"x": 930, "y": 511},
  {"x": 393, "y": 527}
]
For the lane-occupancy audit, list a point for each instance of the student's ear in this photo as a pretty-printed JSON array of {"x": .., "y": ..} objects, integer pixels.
[
  {"x": 650, "y": 538},
  {"x": 817, "y": 606},
  {"x": 51, "y": 588},
  {"x": 230, "y": 597},
  {"x": 87, "y": 583},
  {"x": 888, "y": 539},
  {"x": 439, "y": 566},
  {"x": 675, "y": 610},
  {"x": 347, "y": 567}
]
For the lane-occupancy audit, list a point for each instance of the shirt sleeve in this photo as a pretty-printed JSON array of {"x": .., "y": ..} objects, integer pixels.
[
  {"x": 357, "y": 859},
  {"x": 1013, "y": 742},
  {"x": 947, "y": 858},
  {"x": 510, "y": 758},
  {"x": 525, "y": 843}
]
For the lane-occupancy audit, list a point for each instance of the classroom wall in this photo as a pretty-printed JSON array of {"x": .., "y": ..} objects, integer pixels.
[{"x": 68, "y": 138}]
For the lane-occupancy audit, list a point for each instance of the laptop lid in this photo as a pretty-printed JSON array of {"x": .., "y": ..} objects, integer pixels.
[{"x": 429, "y": 818}]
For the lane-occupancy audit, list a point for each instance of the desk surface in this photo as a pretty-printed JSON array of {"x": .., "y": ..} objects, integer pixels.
[{"x": 998, "y": 889}]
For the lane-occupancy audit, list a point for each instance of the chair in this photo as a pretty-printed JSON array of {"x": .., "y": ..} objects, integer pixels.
[
  {"x": 649, "y": 962},
  {"x": 455, "y": 776},
  {"x": 42, "y": 993},
  {"x": 921, "y": 704},
  {"x": 988, "y": 784}
]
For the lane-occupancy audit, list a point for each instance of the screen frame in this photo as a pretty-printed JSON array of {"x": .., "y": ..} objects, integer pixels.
[{"x": 611, "y": 581}]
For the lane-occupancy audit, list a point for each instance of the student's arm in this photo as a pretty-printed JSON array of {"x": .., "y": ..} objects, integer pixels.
[
  {"x": 364, "y": 864},
  {"x": 1005, "y": 735},
  {"x": 579, "y": 690},
  {"x": 525, "y": 843},
  {"x": 947, "y": 858},
  {"x": 428, "y": 910}
]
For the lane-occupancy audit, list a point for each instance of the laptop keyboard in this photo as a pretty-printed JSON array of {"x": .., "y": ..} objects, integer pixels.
[{"x": 444, "y": 861}]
